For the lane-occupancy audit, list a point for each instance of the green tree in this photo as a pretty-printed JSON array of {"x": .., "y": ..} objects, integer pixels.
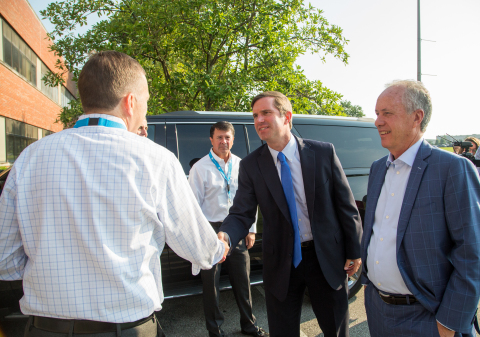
[
  {"x": 351, "y": 110},
  {"x": 204, "y": 54}
]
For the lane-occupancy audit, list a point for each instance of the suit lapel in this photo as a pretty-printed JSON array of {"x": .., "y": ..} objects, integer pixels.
[
  {"x": 416, "y": 174},
  {"x": 307, "y": 161},
  {"x": 377, "y": 178},
  {"x": 270, "y": 175}
]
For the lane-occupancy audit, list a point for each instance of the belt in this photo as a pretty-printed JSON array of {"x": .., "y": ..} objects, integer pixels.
[
  {"x": 307, "y": 245},
  {"x": 397, "y": 299},
  {"x": 59, "y": 325}
]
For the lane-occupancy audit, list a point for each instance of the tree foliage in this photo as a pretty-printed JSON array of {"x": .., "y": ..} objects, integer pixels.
[
  {"x": 204, "y": 54},
  {"x": 351, "y": 110}
]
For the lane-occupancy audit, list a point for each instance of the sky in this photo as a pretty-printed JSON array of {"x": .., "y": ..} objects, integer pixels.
[{"x": 382, "y": 46}]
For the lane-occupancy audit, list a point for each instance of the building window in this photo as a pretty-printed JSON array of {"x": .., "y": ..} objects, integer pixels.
[
  {"x": 66, "y": 97},
  {"x": 18, "y": 55},
  {"x": 19, "y": 136},
  {"x": 50, "y": 92},
  {"x": 46, "y": 133}
]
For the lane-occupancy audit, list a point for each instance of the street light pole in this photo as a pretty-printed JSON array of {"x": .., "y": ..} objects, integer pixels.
[{"x": 419, "y": 45}]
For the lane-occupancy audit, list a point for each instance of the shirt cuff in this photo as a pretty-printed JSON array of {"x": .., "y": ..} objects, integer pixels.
[
  {"x": 444, "y": 325},
  {"x": 216, "y": 258}
]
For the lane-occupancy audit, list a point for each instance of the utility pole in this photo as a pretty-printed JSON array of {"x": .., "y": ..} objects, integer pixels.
[{"x": 419, "y": 45}]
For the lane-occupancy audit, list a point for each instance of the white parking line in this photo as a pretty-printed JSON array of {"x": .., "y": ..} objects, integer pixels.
[{"x": 262, "y": 291}]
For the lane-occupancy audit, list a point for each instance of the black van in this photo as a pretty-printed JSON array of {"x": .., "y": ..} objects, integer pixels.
[{"x": 186, "y": 134}]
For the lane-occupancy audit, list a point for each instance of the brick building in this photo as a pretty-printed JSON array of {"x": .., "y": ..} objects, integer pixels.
[{"x": 28, "y": 108}]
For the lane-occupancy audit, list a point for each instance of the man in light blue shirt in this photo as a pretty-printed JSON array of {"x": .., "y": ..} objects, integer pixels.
[
  {"x": 86, "y": 212},
  {"x": 421, "y": 243}
]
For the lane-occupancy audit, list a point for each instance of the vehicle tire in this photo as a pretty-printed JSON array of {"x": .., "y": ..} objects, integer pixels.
[{"x": 354, "y": 284}]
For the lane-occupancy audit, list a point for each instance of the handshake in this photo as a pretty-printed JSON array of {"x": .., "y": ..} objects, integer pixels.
[{"x": 225, "y": 240}]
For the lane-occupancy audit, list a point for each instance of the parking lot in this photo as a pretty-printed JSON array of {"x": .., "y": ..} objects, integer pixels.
[{"x": 183, "y": 317}]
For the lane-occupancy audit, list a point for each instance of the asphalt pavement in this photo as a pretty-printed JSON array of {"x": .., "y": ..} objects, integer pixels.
[{"x": 183, "y": 317}]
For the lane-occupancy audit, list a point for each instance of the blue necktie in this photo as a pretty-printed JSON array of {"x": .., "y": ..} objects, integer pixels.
[{"x": 287, "y": 184}]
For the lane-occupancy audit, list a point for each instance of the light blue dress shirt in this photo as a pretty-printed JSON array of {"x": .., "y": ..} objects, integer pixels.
[
  {"x": 382, "y": 264},
  {"x": 293, "y": 159}
]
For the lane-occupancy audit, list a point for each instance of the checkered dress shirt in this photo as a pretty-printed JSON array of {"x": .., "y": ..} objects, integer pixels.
[{"x": 84, "y": 216}]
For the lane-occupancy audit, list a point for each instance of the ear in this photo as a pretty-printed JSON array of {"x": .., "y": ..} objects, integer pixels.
[
  {"x": 419, "y": 114},
  {"x": 129, "y": 104},
  {"x": 288, "y": 117},
  {"x": 211, "y": 140}
]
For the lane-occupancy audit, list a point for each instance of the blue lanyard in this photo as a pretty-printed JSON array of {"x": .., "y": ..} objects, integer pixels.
[
  {"x": 99, "y": 121},
  {"x": 227, "y": 178}
]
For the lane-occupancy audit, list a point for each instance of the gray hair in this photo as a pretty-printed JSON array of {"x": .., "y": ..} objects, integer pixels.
[{"x": 415, "y": 97}]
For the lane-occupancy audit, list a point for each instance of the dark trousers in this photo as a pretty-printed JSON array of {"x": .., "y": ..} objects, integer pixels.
[
  {"x": 238, "y": 264},
  {"x": 399, "y": 320},
  {"x": 151, "y": 328},
  {"x": 330, "y": 306}
]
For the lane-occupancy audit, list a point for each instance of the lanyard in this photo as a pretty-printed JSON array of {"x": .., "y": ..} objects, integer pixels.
[
  {"x": 99, "y": 121},
  {"x": 227, "y": 178}
]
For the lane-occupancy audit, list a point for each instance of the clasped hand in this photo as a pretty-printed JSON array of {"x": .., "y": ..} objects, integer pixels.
[{"x": 222, "y": 237}]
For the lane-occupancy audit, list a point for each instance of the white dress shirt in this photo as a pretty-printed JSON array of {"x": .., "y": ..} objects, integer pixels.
[
  {"x": 210, "y": 188},
  {"x": 84, "y": 216},
  {"x": 293, "y": 159},
  {"x": 382, "y": 251}
]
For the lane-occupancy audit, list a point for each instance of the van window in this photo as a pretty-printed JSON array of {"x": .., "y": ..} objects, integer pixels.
[
  {"x": 194, "y": 142},
  {"x": 253, "y": 138},
  {"x": 355, "y": 146}
]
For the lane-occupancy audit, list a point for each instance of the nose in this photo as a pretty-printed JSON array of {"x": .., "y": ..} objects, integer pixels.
[{"x": 379, "y": 121}]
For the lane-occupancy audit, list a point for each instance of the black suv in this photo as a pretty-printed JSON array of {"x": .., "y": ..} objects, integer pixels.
[{"x": 186, "y": 134}]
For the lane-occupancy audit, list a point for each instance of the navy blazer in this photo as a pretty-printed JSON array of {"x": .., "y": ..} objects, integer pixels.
[
  {"x": 334, "y": 218},
  {"x": 438, "y": 234}
]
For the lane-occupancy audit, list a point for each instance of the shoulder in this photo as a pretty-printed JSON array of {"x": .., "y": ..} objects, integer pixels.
[
  {"x": 448, "y": 160},
  {"x": 252, "y": 156},
  {"x": 322, "y": 150},
  {"x": 202, "y": 164}
]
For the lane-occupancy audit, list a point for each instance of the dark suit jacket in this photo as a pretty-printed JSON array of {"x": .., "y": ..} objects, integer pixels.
[
  {"x": 334, "y": 218},
  {"x": 438, "y": 234}
]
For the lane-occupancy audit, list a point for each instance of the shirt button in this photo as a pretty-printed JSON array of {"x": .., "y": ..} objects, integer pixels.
[
  {"x": 393, "y": 194},
  {"x": 381, "y": 239},
  {"x": 387, "y": 217},
  {"x": 398, "y": 172},
  {"x": 379, "y": 284},
  {"x": 376, "y": 262},
  {"x": 299, "y": 219}
]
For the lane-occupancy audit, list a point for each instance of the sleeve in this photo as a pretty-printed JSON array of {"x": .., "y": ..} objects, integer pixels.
[
  {"x": 187, "y": 231},
  {"x": 253, "y": 229},
  {"x": 462, "y": 215},
  {"x": 346, "y": 210},
  {"x": 197, "y": 184},
  {"x": 12, "y": 253},
  {"x": 243, "y": 212}
]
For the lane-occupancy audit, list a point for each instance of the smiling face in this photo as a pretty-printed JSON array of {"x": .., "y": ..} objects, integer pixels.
[
  {"x": 222, "y": 142},
  {"x": 398, "y": 130},
  {"x": 270, "y": 125}
]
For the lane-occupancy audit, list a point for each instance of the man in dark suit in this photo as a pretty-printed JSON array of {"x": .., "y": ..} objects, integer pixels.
[
  {"x": 421, "y": 243},
  {"x": 311, "y": 226}
]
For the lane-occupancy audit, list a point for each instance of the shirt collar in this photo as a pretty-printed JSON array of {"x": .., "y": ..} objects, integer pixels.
[
  {"x": 408, "y": 157},
  {"x": 289, "y": 150},
  {"x": 104, "y": 116},
  {"x": 218, "y": 159}
]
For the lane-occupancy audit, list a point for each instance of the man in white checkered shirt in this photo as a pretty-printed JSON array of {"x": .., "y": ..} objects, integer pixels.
[{"x": 85, "y": 214}]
